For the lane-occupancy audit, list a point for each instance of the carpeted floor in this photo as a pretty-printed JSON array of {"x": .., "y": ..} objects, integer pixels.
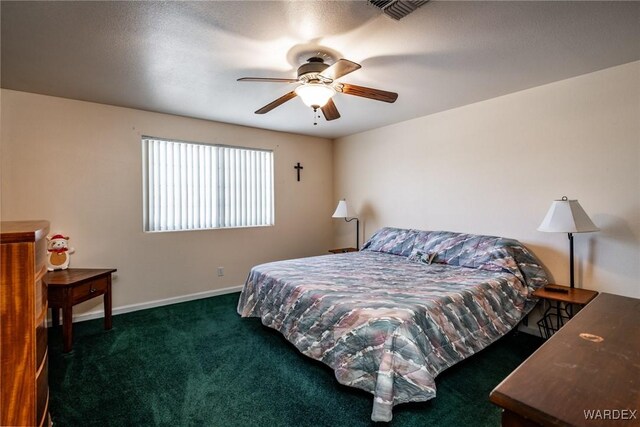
[{"x": 199, "y": 363}]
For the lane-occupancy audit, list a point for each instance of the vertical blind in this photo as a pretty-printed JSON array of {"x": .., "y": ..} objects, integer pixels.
[{"x": 191, "y": 186}]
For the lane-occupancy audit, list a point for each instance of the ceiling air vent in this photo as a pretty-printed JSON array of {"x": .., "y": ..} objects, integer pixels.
[
  {"x": 397, "y": 9},
  {"x": 380, "y": 4}
]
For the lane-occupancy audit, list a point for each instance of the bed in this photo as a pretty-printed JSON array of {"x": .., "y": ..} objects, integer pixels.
[{"x": 390, "y": 318}]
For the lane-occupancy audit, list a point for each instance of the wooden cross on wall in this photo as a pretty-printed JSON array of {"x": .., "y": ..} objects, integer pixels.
[{"x": 298, "y": 168}]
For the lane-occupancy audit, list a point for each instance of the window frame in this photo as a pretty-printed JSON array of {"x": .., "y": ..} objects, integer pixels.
[{"x": 145, "y": 184}]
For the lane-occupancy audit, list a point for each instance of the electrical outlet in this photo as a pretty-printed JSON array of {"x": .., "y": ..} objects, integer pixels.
[{"x": 220, "y": 271}]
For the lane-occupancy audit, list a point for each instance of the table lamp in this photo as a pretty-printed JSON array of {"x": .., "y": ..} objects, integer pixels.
[
  {"x": 343, "y": 211},
  {"x": 567, "y": 216}
]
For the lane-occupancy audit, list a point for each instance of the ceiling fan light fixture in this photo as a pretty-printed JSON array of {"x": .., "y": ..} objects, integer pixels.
[{"x": 315, "y": 95}]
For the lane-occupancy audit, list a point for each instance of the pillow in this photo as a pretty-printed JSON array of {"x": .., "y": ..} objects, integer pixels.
[
  {"x": 477, "y": 251},
  {"x": 423, "y": 257},
  {"x": 434, "y": 242},
  {"x": 395, "y": 241}
]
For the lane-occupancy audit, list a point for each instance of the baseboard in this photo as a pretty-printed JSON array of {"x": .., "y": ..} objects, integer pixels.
[{"x": 151, "y": 304}]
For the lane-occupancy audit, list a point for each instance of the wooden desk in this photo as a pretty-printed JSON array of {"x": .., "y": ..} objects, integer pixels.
[
  {"x": 590, "y": 364},
  {"x": 73, "y": 286}
]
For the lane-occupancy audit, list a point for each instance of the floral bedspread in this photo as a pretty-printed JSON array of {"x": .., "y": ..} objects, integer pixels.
[{"x": 383, "y": 323}]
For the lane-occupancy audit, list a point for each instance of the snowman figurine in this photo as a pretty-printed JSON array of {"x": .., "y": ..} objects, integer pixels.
[{"x": 58, "y": 252}]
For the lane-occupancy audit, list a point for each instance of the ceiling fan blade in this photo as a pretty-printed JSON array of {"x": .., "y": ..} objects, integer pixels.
[
  {"x": 266, "y": 79},
  {"x": 367, "y": 92},
  {"x": 339, "y": 69},
  {"x": 270, "y": 106},
  {"x": 330, "y": 111}
]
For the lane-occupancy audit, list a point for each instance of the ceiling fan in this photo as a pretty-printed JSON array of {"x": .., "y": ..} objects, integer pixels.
[{"x": 318, "y": 84}]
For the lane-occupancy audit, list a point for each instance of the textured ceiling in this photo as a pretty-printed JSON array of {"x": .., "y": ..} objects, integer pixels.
[{"x": 184, "y": 57}]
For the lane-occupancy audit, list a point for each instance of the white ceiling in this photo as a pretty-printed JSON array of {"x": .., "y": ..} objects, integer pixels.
[{"x": 184, "y": 57}]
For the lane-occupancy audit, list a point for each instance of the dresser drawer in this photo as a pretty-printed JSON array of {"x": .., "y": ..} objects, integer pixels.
[
  {"x": 40, "y": 294},
  {"x": 42, "y": 394},
  {"x": 41, "y": 255},
  {"x": 41, "y": 339},
  {"x": 89, "y": 290}
]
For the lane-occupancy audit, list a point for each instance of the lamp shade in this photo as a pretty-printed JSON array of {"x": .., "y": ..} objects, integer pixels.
[
  {"x": 567, "y": 216},
  {"x": 343, "y": 210},
  {"x": 315, "y": 95}
]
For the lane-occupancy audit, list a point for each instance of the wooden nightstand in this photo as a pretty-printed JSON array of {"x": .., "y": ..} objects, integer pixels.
[
  {"x": 342, "y": 250},
  {"x": 73, "y": 286},
  {"x": 553, "y": 318}
]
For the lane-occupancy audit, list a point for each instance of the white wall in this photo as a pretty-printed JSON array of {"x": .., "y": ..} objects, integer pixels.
[
  {"x": 494, "y": 167},
  {"x": 78, "y": 165}
]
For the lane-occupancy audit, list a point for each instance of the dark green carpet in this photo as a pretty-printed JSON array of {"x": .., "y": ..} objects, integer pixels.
[{"x": 199, "y": 363}]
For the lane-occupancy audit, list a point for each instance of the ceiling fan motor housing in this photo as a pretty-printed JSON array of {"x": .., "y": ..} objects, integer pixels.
[{"x": 309, "y": 72}]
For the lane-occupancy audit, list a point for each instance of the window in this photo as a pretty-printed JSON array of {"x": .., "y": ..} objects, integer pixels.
[{"x": 192, "y": 186}]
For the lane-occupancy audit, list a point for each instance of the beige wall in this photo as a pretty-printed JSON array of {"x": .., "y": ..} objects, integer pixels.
[
  {"x": 494, "y": 167},
  {"x": 78, "y": 164}
]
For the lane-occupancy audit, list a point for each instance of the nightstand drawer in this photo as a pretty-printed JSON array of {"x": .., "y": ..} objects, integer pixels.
[
  {"x": 342, "y": 250},
  {"x": 89, "y": 290}
]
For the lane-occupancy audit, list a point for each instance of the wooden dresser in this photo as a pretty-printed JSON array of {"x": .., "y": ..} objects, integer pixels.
[{"x": 24, "y": 388}]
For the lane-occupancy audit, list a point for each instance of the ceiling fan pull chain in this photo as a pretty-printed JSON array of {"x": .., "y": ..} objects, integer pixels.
[{"x": 316, "y": 116}]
